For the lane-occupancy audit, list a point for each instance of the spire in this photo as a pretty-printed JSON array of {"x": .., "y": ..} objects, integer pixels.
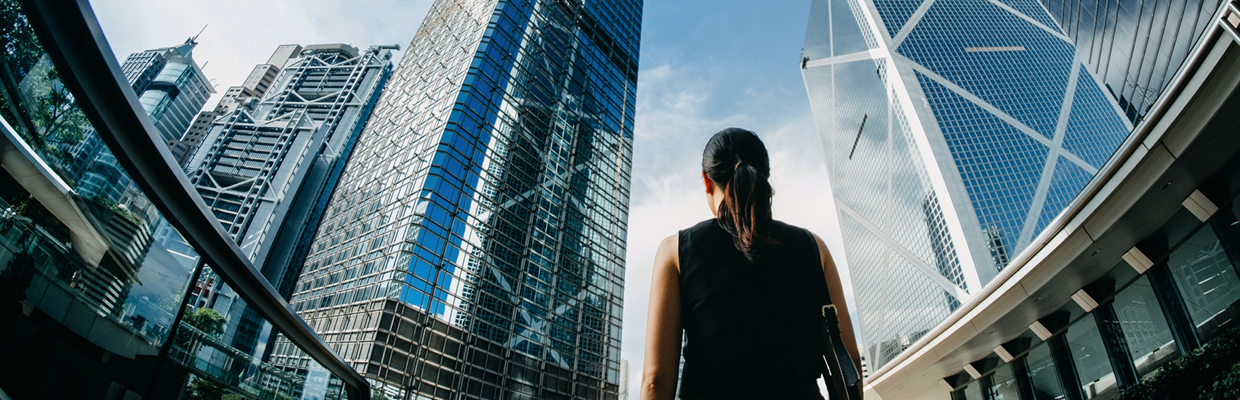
[{"x": 190, "y": 43}]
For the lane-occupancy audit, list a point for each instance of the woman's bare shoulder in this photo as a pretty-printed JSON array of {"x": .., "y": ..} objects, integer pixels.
[{"x": 668, "y": 254}]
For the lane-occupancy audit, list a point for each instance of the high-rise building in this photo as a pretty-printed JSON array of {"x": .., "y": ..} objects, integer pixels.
[
  {"x": 954, "y": 132},
  {"x": 254, "y": 87},
  {"x": 183, "y": 148},
  {"x": 1133, "y": 48},
  {"x": 475, "y": 246},
  {"x": 267, "y": 170},
  {"x": 170, "y": 86}
]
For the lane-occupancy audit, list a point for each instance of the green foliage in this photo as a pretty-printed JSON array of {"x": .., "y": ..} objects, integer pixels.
[
  {"x": 56, "y": 115},
  {"x": 116, "y": 208},
  {"x": 17, "y": 39},
  {"x": 202, "y": 389},
  {"x": 206, "y": 320},
  {"x": 19, "y": 52},
  {"x": 1209, "y": 372}
]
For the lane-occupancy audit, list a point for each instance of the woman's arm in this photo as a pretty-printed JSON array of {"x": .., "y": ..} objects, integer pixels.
[
  {"x": 837, "y": 298},
  {"x": 663, "y": 324}
]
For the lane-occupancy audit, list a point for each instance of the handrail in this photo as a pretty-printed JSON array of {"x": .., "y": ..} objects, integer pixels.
[
  {"x": 75, "y": 42},
  {"x": 1108, "y": 171}
]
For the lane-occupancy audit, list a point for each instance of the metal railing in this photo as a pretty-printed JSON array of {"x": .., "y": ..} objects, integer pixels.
[{"x": 76, "y": 44}]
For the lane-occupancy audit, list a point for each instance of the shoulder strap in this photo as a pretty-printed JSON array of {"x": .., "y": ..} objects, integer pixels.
[{"x": 841, "y": 377}]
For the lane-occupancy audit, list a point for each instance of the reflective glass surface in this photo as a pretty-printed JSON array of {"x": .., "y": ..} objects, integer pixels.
[
  {"x": 1207, "y": 280},
  {"x": 97, "y": 291},
  {"x": 1093, "y": 368},
  {"x": 1043, "y": 374},
  {"x": 1146, "y": 334},
  {"x": 476, "y": 242},
  {"x": 991, "y": 85},
  {"x": 1003, "y": 384},
  {"x": 91, "y": 275},
  {"x": 892, "y": 221},
  {"x": 1134, "y": 47}
]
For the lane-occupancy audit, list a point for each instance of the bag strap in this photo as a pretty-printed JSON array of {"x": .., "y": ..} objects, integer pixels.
[{"x": 841, "y": 377}]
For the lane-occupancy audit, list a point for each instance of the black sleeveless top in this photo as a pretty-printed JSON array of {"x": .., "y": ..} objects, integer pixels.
[{"x": 752, "y": 329}]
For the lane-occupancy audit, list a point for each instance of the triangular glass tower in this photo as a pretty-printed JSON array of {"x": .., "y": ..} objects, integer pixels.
[{"x": 955, "y": 131}]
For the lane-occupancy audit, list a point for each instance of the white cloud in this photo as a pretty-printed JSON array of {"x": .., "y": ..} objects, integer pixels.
[{"x": 676, "y": 114}]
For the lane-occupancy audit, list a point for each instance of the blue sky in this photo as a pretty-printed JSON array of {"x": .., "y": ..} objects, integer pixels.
[{"x": 704, "y": 66}]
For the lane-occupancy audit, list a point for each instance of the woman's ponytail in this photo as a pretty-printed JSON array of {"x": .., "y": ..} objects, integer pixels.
[{"x": 736, "y": 159}]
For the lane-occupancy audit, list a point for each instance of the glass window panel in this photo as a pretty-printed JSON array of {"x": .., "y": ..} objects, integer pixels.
[
  {"x": 88, "y": 266},
  {"x": 1207, "y": 280},
  {"x": 973, "y": 391},
  {"x": 1145, "y": 328},
  {"x": 1042, "y": 374},
  {"x": 1003, "y": 384},
  {"x": 1092, "y": 365}
]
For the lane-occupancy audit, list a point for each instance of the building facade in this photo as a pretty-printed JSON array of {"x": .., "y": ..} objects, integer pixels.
[
  {"x": 955, "y": 131},
  {"x": 1142, "y": 270},
  {"x": 475, "y": 246},
  {"x": 267, "y": 169},
  {"x": 1133, "y": 48},
  {"x": 170, "y": 86},
  {"x": 254, "y": 87}
]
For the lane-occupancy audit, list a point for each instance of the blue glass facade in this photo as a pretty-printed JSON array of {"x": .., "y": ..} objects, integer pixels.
[
  {"x": 955, "y": 131},
  {"x": 1133, "y": 47},
  {"x": 475, "y": 244}
]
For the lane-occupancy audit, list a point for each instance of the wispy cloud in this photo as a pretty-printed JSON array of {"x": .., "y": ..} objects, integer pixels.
[{"x": 677, "y": 112}]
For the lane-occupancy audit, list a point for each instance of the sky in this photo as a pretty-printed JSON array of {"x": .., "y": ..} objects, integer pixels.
[{"x": 704, "y": 66}]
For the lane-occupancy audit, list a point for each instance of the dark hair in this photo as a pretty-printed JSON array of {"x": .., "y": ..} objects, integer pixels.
[{"x": 736, "y": 160}]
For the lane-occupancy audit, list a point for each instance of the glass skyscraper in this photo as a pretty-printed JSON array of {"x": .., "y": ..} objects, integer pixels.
[
  {"x": 475, "y": 244},
  {"x": 954, "y": 132},
  {"x": 1133, "y": 47},
  {"x": 169, "y": 85}
]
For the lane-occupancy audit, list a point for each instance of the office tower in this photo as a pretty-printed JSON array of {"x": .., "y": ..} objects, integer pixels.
[
  {"x": 476, "y": 242},
  {"x": 954, "y": 132},
  {"x": 254, "y": 87},
  {"x": 169, "y": 85},
  {"x": 1133, "y": 48},
  {"x": 267, "y": 170},
  {"x": 183, "y": 148}
]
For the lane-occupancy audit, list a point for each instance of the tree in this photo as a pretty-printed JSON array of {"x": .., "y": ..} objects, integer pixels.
[
  {"x": 206, "y": 320},
  {"x": 202, "y": 389}
]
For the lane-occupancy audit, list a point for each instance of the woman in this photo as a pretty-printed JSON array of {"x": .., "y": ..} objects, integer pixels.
[{"x": 744, "y": 288}]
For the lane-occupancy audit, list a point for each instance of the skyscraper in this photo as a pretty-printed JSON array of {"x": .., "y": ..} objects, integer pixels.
[
  {"x": 476, "y": 242},
  {"x": 954, "y": 132},
  {"x": 169, "y": 85},
  {"x": 1133, "y": 48},
  {"x": 267, "y": 169},
  {"x": 254, "y": 87}
]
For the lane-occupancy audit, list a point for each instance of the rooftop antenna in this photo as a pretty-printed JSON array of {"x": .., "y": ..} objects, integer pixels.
[{"x": 195, "y": 38}]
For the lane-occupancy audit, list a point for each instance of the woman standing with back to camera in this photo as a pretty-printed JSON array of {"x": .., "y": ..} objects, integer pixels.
[{"x": 746, "y": 289}]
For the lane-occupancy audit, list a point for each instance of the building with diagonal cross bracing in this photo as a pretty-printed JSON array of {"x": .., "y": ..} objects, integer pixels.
[{"x": 954, "y": 132}]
